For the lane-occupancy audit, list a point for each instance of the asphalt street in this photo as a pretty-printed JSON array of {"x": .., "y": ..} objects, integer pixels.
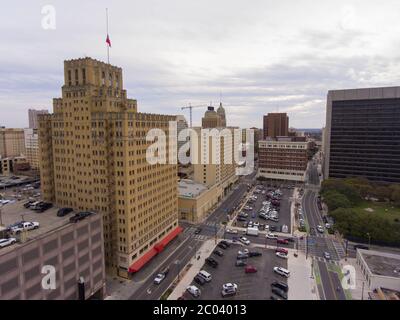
[{"x": 317, "y": 244}]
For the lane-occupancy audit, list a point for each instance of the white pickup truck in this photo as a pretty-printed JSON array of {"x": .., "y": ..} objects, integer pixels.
[{"x": 25, "y": 226}]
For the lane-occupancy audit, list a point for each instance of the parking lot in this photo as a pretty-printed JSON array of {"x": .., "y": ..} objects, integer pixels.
[
  {"x": 256, "y": 205},
  {"x": 251, "y": 286}
]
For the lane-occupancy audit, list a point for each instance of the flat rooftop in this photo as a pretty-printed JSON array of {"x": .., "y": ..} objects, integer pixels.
[
  {"x": 382, "y": 263},
  {"x": 190, "y": 189},
  {"x": 10, "y": 181},
  {"x": 48, "y": 220}
]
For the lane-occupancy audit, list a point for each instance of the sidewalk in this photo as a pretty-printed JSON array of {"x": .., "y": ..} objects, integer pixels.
[
  {"x": 196, "y": 265},
  {"x": 302, "y": 286}
]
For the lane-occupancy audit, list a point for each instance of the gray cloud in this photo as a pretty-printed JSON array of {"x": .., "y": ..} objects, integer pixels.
[{"x": 262, "y": 56}]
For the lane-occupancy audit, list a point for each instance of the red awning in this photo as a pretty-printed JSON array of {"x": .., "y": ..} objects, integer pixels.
[
  {"x": 135, "y": 267},
  {"x": 167, "y": 239}
]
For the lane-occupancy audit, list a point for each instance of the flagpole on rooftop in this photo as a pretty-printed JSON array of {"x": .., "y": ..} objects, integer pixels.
[{"x": 108, "y": 46}]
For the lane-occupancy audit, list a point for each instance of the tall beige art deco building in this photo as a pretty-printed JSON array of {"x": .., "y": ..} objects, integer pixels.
[
  {"x": 12, "y": 142},
  {"x": 93, "y": 157}
]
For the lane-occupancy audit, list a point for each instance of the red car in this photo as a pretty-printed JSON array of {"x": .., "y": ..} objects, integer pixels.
[
  {"x": 282, "y": 241},
  {"x": 285, "y": 251},
  {"x": 250, "y": 269}
]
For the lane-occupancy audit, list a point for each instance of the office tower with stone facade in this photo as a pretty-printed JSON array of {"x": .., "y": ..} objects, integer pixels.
[
  {"x": 12, "y": 142},
  {"x": 93, "y": 157}
]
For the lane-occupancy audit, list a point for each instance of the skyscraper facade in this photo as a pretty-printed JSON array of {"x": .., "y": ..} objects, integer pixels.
[
  {"x": 362, "y": 134},
  {"x": 93, "y": 157}
]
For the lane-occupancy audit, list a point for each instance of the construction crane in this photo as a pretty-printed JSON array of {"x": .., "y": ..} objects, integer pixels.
[{"x": 190, "y": 107}]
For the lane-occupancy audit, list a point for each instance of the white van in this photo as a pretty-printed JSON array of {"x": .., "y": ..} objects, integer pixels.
[
  {"x": 282, "y": 271},
  {"x": 205, "y": 275}
]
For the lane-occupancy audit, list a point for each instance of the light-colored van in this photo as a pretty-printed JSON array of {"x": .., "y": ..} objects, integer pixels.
[
  {"x": 282, "y": 271},
  {"x": 205, "y": 275}
]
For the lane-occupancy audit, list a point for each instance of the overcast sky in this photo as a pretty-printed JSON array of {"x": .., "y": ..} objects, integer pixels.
[{"x": 261, "y": 56}]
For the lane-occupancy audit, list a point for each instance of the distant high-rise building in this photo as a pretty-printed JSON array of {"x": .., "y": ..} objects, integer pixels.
[
  {"x": 93, "y": 158},
  {"x": 214, "y": 119},
  {"x": 211, "y": 119},
  {"x": 32, "y": 147},
  {"x": 275, "y": 125},
  {"x": 222, "y": 115},
  {"x": 33, "y": 114},
  {"x": 12, "y": 142},
  {"x": 362, "y": 134}
]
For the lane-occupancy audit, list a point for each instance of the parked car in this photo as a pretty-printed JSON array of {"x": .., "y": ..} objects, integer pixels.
[
  {"x": 212, "y": 262},
  {"x": 42, "y": 207},
  {"x": 254, "y": 254},
  {"x": 283, "y": 250},
  {"x": 360, "y": 246},
  {"x": 222, "y": 246},
  {"x": 197, "y": 231},
  {"x": 282, "y": 271},
  {"x": 320, "y": 229},
  {"x": 64, "y": 211},
  {"x": 281, "y": 255},
  {"x": 271, "y": 236},
  {"x": 241, "y": 219},
  {"x": 233, "y": 231},
  {"x": 80, "y": 216},
  {"x": 282, "y": 241},
  {"x": 194, "y": 291},
  {"x": 279, "y": 292},
  {"x": 218, "y": 253},
  {"x": 28, "y": 204},
  {"x": 25, "y": 226},
  {"x": 272, "y": 228},
  {"x": 199, "y": 280},
  {"x": 281, "y": 285},
  {"x": 226, "y": 243},
  {"x": 244, "y": 240},
  {"x": 240, "y": 263},
  {"x": 7, "y": 242},
  {"x": 250, "y": 269},
  {"x": 229, "y": 289}
]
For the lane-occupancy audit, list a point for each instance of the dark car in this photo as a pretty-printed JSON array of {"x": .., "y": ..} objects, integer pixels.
[
  {"x": 241, "y": 219},
  {"x": 80, "y": 216},
  {"x": 218, "y": 253},
  {"x": 28, "y": 204},
  {"x": 222, "y": 246},
  {"x": 279, "y": 292},
  {"x": 198, "y": 230},
  {"x": 199, "y": 280},
  {"x": 360, "y": 246},
  {"x": 212, "y": 262},
  {"x": 226, "y": 243},
  {"x": 42, "y": 207},
  {"x": 290, "y": 239},
  {"x": 272, "y": 228},
  {"x": 64, "y": 211},
  {"x": 312, "y": 231},
  {"x": 280, "y": 285},
  {"x": 254, "y": 254}
]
